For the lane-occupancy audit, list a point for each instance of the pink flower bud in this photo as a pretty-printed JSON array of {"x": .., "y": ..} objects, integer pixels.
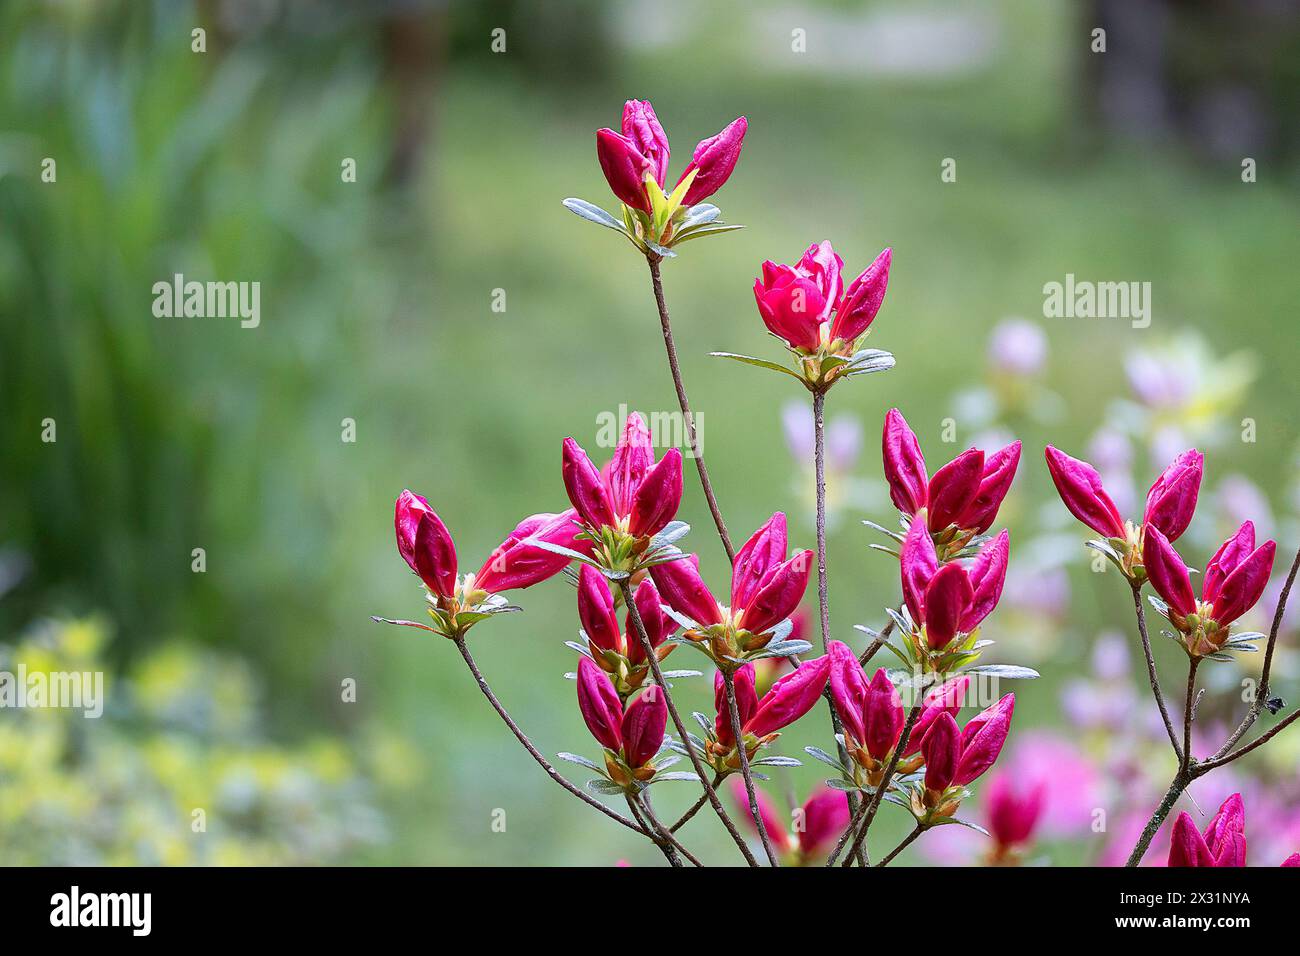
[
  {"x": 945, "y": 699},
  {"x": 658, "y": 625},
  {"x": 656, "y": 500},
  {"x": 946, "y": 601},
  {"x": 746, "y": 702},
  {"x": 1224, "y": 841},
  {"x": 624, "y": 167},
  {"x": 823, "y": 266},
  {"x": 849, "y": 690},
  {"x": 641, "y": 126},
  {"x": 904, "y": 464},
  {"x": 1172, "y": 498},
  {"x": 790, "y": 305},
  {"x": 983, "y": 738},
  {"x": 515, "y": 563},
  {"x": 825, "y": 816},
  {"x": 917, "y": 563},
  {"x": 942, "y": 749},
  {"x": 633, "y": 457},
  {"x": 596, "y": 609},
  {"x": 999, "y": 472},
  {"x": 435, "y": 555},
  {"x": 1227, "y": 559},
  {"x": 1167, "y": 573},
  {"x": 683, "y": 590},
  {"x": 584, "y": 486},
  {"x": 1244, "y": 586},
  {"x": 763, "y": 551},
  {"x": 714, "y": 158},
  {"x": 862, "y": 300},
  {"x": 598, "y": 701},
  {"x": 1013, "y": 813},
  {"x": 882, "y": 714},
  {"x": 779, "y": 594},
  {"x": 406, "y": 521},
  {"x": 767, "y": 811},
  {"x": 643, "y": 726},
  {"x": 1187, "y": 847},
  {"x": 1292, "y": 860},
  {"x": 987, "y": 575},
  {"x": 954, "y": 487},
  {"x": 790, "y": 697},
  {"x": 1079, "y": 486}
]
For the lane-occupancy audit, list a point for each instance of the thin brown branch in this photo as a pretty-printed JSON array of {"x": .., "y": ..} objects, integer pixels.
[
  {"x": 907, "y": 841},
  {"x": 1151, "y": 670},
  {"x": 695, "y": 807},
  {"x": 729, "y": 687}
]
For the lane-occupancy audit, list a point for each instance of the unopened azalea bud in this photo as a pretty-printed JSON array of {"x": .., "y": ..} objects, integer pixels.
[
  {"x": 1225, "y": 836},
  {"x": 825, "y": 815},
  {"x": 656, "y": 500},
  {"x": 435, "y": 555},
  {"x": 406, "y": 521},
  {"x": 947, "y": 698},
  {"x": 862, "y": 300},
  {"x": 1167, "y": 573},
  {"x": 946, "y": 600},
  {"x": 517, "y": 562},
  {"x": 1227, "y": 559},
  {"x": 713, "y": 160},
  {"x": 746, "y": 702},
  {"x": 790, "y": 305},
  {"x": 598, "y": 701},
  {"x": 658, "y": 625},
  {"x": 1013, "y": 813},
  {"x": 918, "y": 563},
  {"x": 1187, "y": 846},
  {"x": 683, "y": 590},
  {"x": 641, "y": 126},
  {"x": 904, "y": 464},
  {"x": 624, "y": 167},
  {"x": 1292, "y": 860},
  {"x": 772, "y": 819},
  {"x": 942, "y": 750},
  {"x": 987, "y": 574},
  {"x": 643, "y": 726},
  {"x": 1080, "y": 489},
  {"x": 596, "y": 609},
  {"x": 633, "y": 457},
  {"x": 1243, "y": 587},
  {"x": 849, "y": 689},
  {"x": 982, "y": 739},
  {"x": 954, "y": 487},
  {"x": 790, "y": 697},
  {"x": 583, "y": 483},
  {"x": 999, "y": 472},
  {"x": 1172, "y": 498},
  {"x": 883, "y": 717},
  {"x": 779, "y": 594},
  {"x": 763, "y": 551}
]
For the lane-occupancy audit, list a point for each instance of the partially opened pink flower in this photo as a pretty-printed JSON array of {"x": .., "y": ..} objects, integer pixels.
[
  {"x": 807, "y": 306},
  {"x": 1222, "y": 844},
  {"x": 871, "y": 711}
]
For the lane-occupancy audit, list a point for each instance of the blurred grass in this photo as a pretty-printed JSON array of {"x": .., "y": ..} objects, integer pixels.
[{"x": 376, "y": 304}]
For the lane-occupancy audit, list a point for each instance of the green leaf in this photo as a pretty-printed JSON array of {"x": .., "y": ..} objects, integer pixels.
[
  {"x": 560, "y": 549},
  {"x": 580, "y": 760},
  {"x": 593, "y": 213},
  {"x": 698, "y": 215},
  {"x": 781, "y": 649},
  {"x": 700, "y": 232},
  {"x": 775, "y": 761},
  {"x": 676, "y": 775},
  {"x": 1009, "y": 671},
  {"x": 818, "y": 754},
  {"x": 604, "y": 787},
  {"x": 672, "y": 532},
  {"x": 684, "y": 673},
  {"x": 837, "y": 784},
  {"x": 757, "y": 362}
]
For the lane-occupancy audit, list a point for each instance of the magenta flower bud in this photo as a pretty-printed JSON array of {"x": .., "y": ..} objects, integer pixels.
[
  {"x": 946, "y": 601},
  {"x": 1167, "y": 573},
  {"x": 658, "y": 497},
  {"x": 917, "y": 563},
  {"x": 983, "y": 738},
  {"x": 849, "y": 690},
  {"x": 683, "y": 590},
  {"x": 1172, "y": 499},
  {"x": 435, "y": 556},
  {"x": 763, "y": 551},
  {"x": 746, "y": 702},
  {"x": 406, "y": 521},
  {"x": 598, "y": 701},
  {"x": 778, "y": 594},
  {"x": 823, "y": 266},
  {"x": 1079, "y": 486},
  {"x": 641, "y": 126},
  {"x": 1187, "y": 847},
  {"x": 1223, "y": 843},
  {"x": 942, "y": 750},
  {"x": 1230, "y": 819},
  {"x": 714, "y": 159},
  {"x": 945, "y": 699},
  {"x": 862, "y": 300},
  {"x": 999, "y": 472},
  {"x": 767, "y": 811},
  {"x": 1227, "y": 559},
  {"x": 904, "y": 464},
  {"x": 515, "y": 563},
  {"x": 624, "y": 167},
  {"x": 596, "y": 609},
  {"x": 790, "y": 697},
  {"x": 954, "y": 487},
  {"x": 1244, "y": 586},
  {"x": 882, "y": 714},
  {"x": 790, "y": 305},
  {"x": 658, "y": 625},
  {"x": 585, "y": 489},
  {"x": 643, "y": 726},
  {"x": 634, "y": 456},
  {"x": 825, "y": 816},
  {"x": 1292, "y": 860},
  {"x": 987, "y": 575},
  {"x": 1013, "y": 813}
]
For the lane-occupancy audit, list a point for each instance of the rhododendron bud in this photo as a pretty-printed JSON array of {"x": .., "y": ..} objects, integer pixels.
[
  {"x": 917, "y": 564},
  {"x": 641, "y": 126},
  {"x": 942, "y": 750},
  {"x": 1223, "y": 843},
  {"x": 1292, "y": 860},
  {"x": 904, "y": 464},
  {"x": 947, "y": 699},
  {"x": 435, "y": 555},
  {"x": 518, "y": 563},
  {"x": 882, "y": 715},
  {"x": 643, "y": 726},
  {"x": 713, "y": 160},
  {"x": 584, "y": 486},
  {"x": 1243, "y": 587},
  {"x": 684, "y": 591},
  {"x": 658, "y": 625},
  {"x": 987, "y": 574},
  {"x": 746, "y": 702},
  {"x": 1187, "y": 846},
  {"x": 849, "y": 689},
  {"x": 954, "y": 487},
  {"x": 598, "y": 701},
  {"x": 1172, "y": 498},
  {"x": 1227, "y": 559},
  {"x": 596, "y": 609},
  {"x": 1167, "y": 573},
  {"x": 763, "y": 551},
  {"x": 946, "y": 600},
  {"x": 767, "y": 811},
  {"x": 825, "y": 815},
  {"x": 982, "y": 739},
  {"x": 656, "y": 500},
  {"x": 1079, "y": 486},
  {"x": 624, "y": 167},
  {"x": 778, "y": 594},
  {"x": 790, "y": 697},
  {"x": 790, "y": 305},
  {"x": 633, "y": 457},
  {"x": 406, "y": 521},
  {"x": 999, "y": 472},
  {"x": 1013, "y": 813},
  {"x": 863, "y": 299},
  {"x": 823, "y": 266}
]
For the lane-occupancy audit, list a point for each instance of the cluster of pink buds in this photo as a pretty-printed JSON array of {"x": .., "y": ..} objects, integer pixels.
[
  {"x": 520, "y": 561},
  {"x": 766, "y": 588},
  {"x": 961, "y": 500},
  {"x": 1170, "y": 504},
  {"x": 1234, "y": 580},
  {"x": 816, "y": 825},
  {"x": 955, "y": 756},
  {"x": 761, "y": 719},
  {"x": 631, "y": 737},
  {"x": 623, "y": 506},
  {"x": 1222, "y": 844},
  {"x": 617, "y": 651}
]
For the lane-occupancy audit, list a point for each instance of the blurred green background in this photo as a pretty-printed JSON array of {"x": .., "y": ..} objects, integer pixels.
[{"x": 376, "y": 306}]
